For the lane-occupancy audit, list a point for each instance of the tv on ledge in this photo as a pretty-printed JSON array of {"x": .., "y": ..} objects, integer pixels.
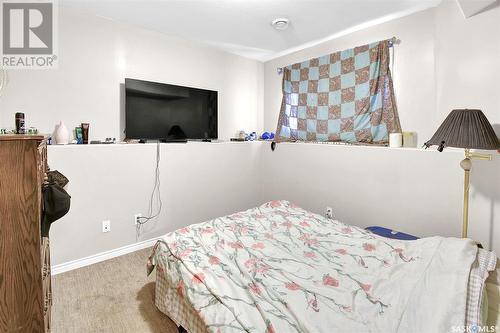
[{"x": 169, "y": 113}]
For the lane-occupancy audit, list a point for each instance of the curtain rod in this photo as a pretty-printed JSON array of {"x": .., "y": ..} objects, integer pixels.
[{"x": 393, "y": 41}]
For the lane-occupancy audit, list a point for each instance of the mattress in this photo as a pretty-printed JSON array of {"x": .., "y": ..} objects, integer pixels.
[{"x": 279, "y": 268}]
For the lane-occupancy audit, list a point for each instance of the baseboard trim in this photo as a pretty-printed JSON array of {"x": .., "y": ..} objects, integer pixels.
[{"x": 78, "y": 263}]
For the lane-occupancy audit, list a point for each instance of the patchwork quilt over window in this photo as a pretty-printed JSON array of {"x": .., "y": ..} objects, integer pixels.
[{"x": 344, "y": 96}]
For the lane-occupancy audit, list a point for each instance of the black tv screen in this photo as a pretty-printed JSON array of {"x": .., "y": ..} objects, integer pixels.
[{"x": 161, "y": 111}]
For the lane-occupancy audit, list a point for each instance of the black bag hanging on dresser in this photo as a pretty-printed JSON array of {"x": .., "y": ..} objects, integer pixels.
[{"x": 56, "y": 204}]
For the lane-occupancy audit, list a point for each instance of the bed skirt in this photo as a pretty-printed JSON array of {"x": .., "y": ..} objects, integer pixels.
[{"x": 168, "y": 301}]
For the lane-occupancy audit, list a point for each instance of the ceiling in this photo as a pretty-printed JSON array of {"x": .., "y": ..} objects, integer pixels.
[{"x": 243, "y": 26}]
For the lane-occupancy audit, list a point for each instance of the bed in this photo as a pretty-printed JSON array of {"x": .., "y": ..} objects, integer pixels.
[{"x": 280, "y": 268}]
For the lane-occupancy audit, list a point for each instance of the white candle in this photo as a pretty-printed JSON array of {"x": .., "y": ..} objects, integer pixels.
[{"x": 395, "y": 140}]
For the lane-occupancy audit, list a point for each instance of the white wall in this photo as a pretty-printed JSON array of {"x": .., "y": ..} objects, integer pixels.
[
  {"x": 95, "y": 55},
  {"x": 199, "y": 181},
  {"x": 414, "y": 83},
  {"x": 444, "y": 61},
  {"x": 416, "y": 191},
  {"x": 467, "y": 56},
  {"x": 411, "y": 190},
  {"x": 467, "y": 75}
]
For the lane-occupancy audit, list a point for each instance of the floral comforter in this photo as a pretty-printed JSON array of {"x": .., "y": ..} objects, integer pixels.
[{"x": 279, "y": 268}]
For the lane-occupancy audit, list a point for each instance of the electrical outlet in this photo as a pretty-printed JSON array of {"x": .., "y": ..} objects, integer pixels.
[
  {"x": 329, "y": 213},
  {"x": 106, "y": 226},
  {"x": 137, "y": 218}
]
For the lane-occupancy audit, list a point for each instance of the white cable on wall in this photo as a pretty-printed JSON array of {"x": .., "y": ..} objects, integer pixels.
[{"x": 155, "y": 197}]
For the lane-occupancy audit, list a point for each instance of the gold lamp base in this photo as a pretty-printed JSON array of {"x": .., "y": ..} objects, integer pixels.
[{"x": 466, "y": 164}]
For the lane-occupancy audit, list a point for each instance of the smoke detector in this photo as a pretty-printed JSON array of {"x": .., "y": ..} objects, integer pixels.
[{"x": 280, "y": 23}]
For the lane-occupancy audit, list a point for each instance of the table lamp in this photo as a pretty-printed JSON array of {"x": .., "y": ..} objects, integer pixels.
[{"x": 468, "y": 129}]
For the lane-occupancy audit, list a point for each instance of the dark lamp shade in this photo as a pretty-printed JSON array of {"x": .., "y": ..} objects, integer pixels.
[{"x": 468, "y": 129}]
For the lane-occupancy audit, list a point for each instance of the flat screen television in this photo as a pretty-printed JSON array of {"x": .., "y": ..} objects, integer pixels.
[{"x": 158, "y": 111}]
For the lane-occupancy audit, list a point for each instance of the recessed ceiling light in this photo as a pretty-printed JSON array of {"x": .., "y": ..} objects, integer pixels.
[{"x": 280, "y": 23}]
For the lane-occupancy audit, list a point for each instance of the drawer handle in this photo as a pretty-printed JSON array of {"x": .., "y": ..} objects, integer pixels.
[
  {"x": 45, "y": 272},
  {"x": 46, "y": 306}
]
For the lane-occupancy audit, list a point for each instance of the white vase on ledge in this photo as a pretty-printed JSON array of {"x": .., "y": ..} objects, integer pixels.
[{"x": 62, "y": 134}]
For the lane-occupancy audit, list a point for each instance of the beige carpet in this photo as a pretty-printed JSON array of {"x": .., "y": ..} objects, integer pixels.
[{"x": 111, "y": 296}]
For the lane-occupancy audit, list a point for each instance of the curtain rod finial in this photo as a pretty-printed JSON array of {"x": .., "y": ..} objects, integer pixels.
[
  {"x": 394, "y": 40},
  {"x": 280, "y": 70}
]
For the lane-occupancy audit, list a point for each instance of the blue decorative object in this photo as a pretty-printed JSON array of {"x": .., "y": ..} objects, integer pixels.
[
  {"x": 388, "y": 233},
  {"x": 267, "y": 136}
]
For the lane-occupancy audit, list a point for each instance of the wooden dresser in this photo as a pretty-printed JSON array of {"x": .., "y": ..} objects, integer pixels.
[{"x": 25, "y": 281}]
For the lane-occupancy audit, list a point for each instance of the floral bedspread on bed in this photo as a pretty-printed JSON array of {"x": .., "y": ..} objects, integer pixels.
[{"x": 279, "y": 268}]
